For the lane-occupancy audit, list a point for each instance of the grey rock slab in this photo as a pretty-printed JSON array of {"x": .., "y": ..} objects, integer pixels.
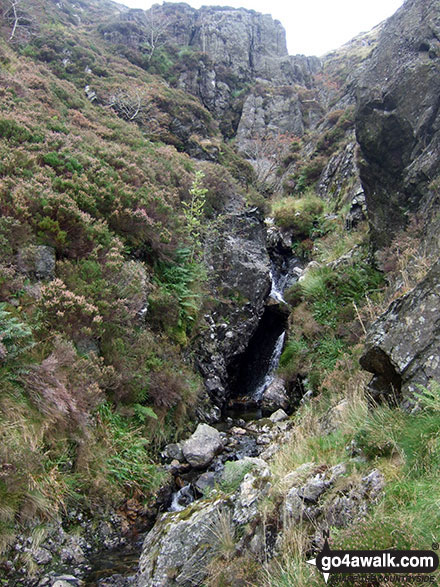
[
  {"x": 278, "y": 416},
  {"x": 41, "y": 556},
  {"x": 402, "y": 346},
  {"x": 205, "y": 481},
  {"x": 38, "y": 261},
  {"x": 275, "y": 396},
  {"x": 200, "y": 449},
  {"x": 179, "y": 547},
  {"x": 397, "y": 119},
  {"x": 312, "y": 490}
]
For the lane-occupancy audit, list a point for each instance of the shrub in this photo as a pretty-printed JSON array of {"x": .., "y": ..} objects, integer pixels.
[
  {"x": 15, "y": 336},
  {"x": 298, "y": 214},
  {"x": 14, "y": 133},
  {"x": 50, "y": 233},
  {"x": 193, "y": 213},
  {"x": 312, "y": 172},
  {"x": 220, "y": 187},
  {"x": 62, "y": 310},
  {"x": 294, "y": 295},
  {"x": 165, "y": 388},
  {"x": 62, "y": 162},
  {"x": 183, "y": 280},
  {"x": 292, "y": 361},
  {"x": 126, "y": 460},
  {"x": 66, "y": 388}
]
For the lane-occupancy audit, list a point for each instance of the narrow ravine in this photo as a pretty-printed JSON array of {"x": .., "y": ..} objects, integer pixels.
[{"x": 250, "y": 375}]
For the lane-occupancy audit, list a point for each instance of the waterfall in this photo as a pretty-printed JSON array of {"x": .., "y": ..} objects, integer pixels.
[
  {"x": 277, "y": 289},
  {"x": 181, "y": 499},
  {"x": 283, "y": 275},
  {"x": 273, "y": 365}
]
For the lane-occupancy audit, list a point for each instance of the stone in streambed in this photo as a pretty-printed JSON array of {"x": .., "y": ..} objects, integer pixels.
[
  {"x": 202, "y": 446},
  {"x": 275, "y": 396},
  {"x": 205, "y": 482},
  {"x": 278, "y": 416}
]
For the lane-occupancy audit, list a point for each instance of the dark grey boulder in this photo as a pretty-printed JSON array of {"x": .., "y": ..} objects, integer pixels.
[{"x": 402, "y": 348}]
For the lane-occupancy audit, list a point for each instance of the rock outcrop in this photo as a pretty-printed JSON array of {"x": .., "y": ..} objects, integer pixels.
[
  {"x": 179, "y": 547},
  {"x": 240, "y": 280},
  {"x": 398, "y": 118},
  {"x": 37, "y": 261},
  {"x": 402, "y": 347},
  {"x": 225, "y": 51}
]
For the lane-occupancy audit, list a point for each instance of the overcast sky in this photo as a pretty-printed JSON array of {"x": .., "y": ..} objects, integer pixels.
[{"x": 313, "y": 27}]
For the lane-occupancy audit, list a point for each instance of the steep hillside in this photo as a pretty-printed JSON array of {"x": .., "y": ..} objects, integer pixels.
[{"x": 196, "y": 230}]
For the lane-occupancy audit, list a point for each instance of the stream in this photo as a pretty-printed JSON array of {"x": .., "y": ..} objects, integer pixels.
[{"x": 250, "y": 376}]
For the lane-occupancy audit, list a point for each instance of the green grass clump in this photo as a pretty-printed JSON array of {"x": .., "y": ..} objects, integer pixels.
[
  {"x": 233, "y": 475},
  {"x": 407, "y": 447},
  {"x": 300, "y": 215},
  {"x": 128, "y": 462}
]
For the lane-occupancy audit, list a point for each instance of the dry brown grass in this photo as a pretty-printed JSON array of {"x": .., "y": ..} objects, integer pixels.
[{"x": 406, "y": 261}]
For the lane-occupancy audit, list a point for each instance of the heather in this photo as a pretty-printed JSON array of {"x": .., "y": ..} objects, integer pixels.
[{"x": 94, "y": 371}]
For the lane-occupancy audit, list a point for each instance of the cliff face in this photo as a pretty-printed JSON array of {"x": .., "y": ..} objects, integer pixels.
[
  {"x": 398, "y": 118},
  {"x": 223, "y": 52}
]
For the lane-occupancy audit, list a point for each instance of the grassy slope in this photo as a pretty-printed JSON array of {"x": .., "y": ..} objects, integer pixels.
[{"x": 106, "y": 194}]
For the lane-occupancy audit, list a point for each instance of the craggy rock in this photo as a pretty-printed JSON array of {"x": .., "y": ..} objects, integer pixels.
[
  {"x": 269, "y": 112},
  {"x": 38, "y": 261},
  {"x": 313, "y": 500},
  {"x": 397, "y": 122},
  {"x": 253, "y": 488},
  {"x": 341, "y": 183},
  {"x": 275, "y": 396},
  {"x": 61, "y": 556},
  {"x": 402, "y": 345},
  {"x": 178, "y": 549},
  {"x": 239, "y": 268},
  {"x": 202, "y": 446},
  {"x": 205, "y": 482},
  {"x": 227, "y": 49},
  {"x": 351, "y": 506}
]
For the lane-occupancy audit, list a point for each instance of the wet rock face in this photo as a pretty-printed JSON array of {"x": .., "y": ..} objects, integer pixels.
[
  {"x": 402, "y": 346},
  {"x": 398, "y": 118},
  {"x": 240, "y": 281}
]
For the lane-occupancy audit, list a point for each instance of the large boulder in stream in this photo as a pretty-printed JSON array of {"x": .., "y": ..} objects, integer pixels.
[
  {"x": 202, "y": 446},
  {"x": 240, "y": 282},
  {"x": 275, "y": 396},
  {"x": 178, "y": 549}
]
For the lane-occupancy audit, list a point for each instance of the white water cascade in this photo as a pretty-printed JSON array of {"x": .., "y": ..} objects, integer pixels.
[
  {"x": 181, "y": 499},
  {"x": 273, "y": 365},
  {"x": 276, "y": 291}
]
